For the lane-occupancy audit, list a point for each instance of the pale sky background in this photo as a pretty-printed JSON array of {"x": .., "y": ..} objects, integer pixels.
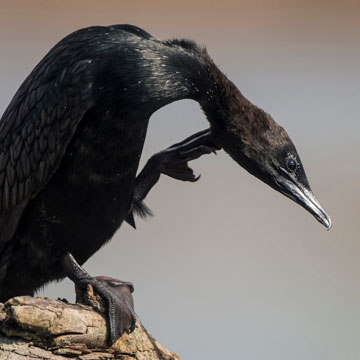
[{"x": 228, "y": 268}]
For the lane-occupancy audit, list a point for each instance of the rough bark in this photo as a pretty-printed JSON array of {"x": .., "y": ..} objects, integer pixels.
[{"x": 41, "y": 328}]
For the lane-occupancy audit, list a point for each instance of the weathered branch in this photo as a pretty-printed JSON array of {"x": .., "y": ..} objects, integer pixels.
[{"x": 41, "y": 328}]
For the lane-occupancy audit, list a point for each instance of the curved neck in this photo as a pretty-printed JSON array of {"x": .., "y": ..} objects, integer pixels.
[
  {"x": 181, "y": 70},
  {"x": 225, "y": 107}
]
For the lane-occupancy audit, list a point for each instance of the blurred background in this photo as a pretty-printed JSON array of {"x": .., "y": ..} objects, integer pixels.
[{"x": 228, "y": 268}]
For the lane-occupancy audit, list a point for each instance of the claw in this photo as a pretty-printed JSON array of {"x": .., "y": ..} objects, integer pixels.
[
  {"x": 119, "y": 305},
  {"x": 173, "y": 162},
  {"x": 116, "y": 294}
]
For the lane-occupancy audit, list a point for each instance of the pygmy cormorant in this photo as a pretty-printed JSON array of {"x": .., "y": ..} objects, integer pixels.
[{"x": 71, "y": 140}]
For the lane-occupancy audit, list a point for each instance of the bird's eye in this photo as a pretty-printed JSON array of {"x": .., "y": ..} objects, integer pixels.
[{"x": 291, "y": 164}]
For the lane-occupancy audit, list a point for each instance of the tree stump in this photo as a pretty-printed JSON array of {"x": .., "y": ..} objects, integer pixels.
[{"x": 42, "y": 328}]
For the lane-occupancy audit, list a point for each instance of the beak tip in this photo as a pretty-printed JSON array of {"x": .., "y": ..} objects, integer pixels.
[
  {"x": 329, "y": 224},
  {"x": 326, "y": 221}
]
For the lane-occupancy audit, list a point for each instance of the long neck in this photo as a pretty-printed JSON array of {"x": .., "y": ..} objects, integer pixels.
[
  {"x": 221, "y": 98},
  {"x": 177, "y": 70},
  {"x": 228, "y": 111}
]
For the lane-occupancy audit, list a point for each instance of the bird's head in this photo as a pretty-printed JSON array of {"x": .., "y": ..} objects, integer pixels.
[{"x": 256, "y": 142}]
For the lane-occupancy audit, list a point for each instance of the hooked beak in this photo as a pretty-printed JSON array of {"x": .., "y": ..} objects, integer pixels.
[{"x": 304, "y": 197}]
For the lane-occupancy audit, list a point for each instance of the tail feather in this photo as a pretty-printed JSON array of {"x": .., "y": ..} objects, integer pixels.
[{"x": 140, "y": 209}]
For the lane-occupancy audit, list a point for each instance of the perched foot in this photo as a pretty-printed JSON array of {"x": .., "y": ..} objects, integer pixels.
[{"x": 119, "y": 304}]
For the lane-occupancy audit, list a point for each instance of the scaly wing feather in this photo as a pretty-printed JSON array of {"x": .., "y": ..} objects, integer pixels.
[{"x": 36, "y": 128}]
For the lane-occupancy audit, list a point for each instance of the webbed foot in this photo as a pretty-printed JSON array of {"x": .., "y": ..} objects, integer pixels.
[
  {"x": 173, "y": 161},
  {"x": 117, "y": 295},
  {"x": 119, "y": 304}
]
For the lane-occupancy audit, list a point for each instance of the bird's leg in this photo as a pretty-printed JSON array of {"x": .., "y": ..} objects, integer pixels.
[
  {"x": 173, "y": 162},
  {"x": 117, "y": 294}
]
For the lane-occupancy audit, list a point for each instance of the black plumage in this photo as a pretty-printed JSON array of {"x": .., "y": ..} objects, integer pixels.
[{"x": 71, "y": 140}]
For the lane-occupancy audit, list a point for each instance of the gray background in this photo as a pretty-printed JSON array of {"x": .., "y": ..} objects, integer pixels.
[{"x": 228, "y": 268}]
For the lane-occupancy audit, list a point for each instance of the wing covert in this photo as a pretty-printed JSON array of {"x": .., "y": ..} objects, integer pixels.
[{"x": 36, "y": 128}]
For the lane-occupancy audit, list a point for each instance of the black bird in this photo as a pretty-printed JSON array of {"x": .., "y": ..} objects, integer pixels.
[{"x": 71, "y": 140}]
